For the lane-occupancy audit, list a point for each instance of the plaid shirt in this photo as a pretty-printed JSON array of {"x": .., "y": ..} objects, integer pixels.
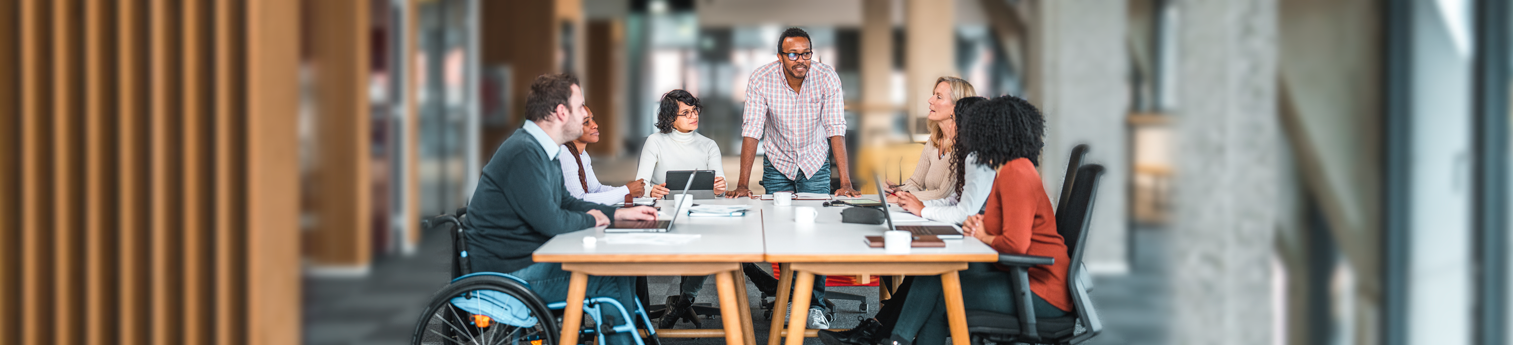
[{"x": 796, "y": 126}]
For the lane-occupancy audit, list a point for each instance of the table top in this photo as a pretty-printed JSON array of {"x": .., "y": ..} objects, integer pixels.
[
  {"x": 721, "y": 239},
  {"x": 767, "y": 233},
  {"x": 827, "y": 239}
]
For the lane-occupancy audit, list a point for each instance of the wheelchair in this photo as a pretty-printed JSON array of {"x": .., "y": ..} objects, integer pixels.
[{"x": 497, "y": 308}]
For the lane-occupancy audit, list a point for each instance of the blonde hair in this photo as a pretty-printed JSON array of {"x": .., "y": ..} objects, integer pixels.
[{"x": 959, "y": 89}]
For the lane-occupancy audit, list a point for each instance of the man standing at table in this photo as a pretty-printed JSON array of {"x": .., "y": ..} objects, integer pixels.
[
  {"x": 796, "y": 105},
  {"x": 521, "y": 201}
]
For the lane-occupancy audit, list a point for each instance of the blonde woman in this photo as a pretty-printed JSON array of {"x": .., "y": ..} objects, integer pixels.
[{"x": 933, "y": 177}]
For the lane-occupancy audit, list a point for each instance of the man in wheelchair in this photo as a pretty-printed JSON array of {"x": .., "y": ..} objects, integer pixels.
[{"x": 521, "y": 201}]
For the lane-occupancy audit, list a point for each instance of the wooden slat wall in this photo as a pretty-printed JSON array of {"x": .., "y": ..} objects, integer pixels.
[
  {"x": 65, "y": 141},
  {"x": 272, "y": 181},
  {"x": 131, "y": 177},
  {"x": 99, "y": 160},
  {"x": 151, "y": 172},
  {"x": 36, "y": 172},
  {"x": 10, "y": 168}
]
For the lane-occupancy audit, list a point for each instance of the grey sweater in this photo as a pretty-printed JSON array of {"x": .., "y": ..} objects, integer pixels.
[{"x": 519, "y": 204}]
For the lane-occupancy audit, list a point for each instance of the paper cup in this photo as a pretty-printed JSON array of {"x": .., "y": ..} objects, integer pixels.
[
  {"x": 897, "y": 242},
  {"x": 805, "y": 214},
  {"x": 782, "y": 198},
  {"x": 685, "y": 202}
]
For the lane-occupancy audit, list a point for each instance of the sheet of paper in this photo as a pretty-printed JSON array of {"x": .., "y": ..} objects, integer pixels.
[
  {"x": 650, "y": 239},
  {"x": 906, "y": 217},
  {"x": 718, "y": 208}
]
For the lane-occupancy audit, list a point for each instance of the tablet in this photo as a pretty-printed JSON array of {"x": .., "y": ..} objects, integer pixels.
[{"x": 703, "y": 181}]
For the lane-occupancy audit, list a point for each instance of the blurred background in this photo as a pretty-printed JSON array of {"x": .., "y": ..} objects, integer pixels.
[{"x": 1279, "y": 171}]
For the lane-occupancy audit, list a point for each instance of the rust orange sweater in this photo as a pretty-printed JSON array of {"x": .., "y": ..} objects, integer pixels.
[{"x": 1020, "y": 215}]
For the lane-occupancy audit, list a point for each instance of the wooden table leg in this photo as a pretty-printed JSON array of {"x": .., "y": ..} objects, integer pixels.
[
  {"x": 728, "y": 314},
  {"x": 956, "y": 313},
  {"x": 799, "y": 315},
  {"x": 744, "y": 303},
  {"x": 780, "y": 306},
  {"x": 572, "y": 316}
]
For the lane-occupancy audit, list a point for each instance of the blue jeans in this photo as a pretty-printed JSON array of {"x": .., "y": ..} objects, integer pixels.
[
  {"x": 923, "y": 319},
  {"x": 774, "y": 181},
  {"x": 550, "y": 282}
]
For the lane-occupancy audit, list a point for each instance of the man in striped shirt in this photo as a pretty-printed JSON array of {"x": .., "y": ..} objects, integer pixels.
[{"x": 796, "y": 104}]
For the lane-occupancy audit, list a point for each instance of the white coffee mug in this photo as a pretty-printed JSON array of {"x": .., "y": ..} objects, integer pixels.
[
  {"x": 897, "y": 242},
  {"x": 805, "y": 214},
  {"x": 685, "y": 201},
  {"x": 782, "y": 198}
]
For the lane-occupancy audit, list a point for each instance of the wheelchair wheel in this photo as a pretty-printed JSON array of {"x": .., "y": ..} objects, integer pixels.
[{"x": 485, "y": 310}]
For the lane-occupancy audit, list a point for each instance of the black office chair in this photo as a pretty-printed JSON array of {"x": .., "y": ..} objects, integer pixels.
[
  {"x": 1072, "y": 222},
  {"x": 1072, "y": 163}
]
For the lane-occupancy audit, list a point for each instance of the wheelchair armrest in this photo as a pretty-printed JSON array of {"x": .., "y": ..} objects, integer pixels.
[{"x": 1025, "y": 260}]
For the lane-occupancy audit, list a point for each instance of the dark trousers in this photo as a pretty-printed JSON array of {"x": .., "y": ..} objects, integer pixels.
[
  {"x": 550, "y": 282},
  {"x": 921, "y": 318},
  {"x": 774, "y": 181}
]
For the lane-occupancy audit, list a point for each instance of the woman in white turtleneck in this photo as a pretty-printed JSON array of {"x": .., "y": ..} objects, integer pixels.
[{"x": 677, "y": 146}]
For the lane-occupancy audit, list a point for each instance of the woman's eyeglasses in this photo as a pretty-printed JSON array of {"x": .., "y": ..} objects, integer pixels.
[{"x": 795, "y": 56}]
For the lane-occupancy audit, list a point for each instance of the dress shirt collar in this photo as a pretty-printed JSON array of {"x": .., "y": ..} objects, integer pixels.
[{"x": 541, "y": 137}]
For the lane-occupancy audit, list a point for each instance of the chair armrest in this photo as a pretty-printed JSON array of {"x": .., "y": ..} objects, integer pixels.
[{"x": 1025, "y": 260}]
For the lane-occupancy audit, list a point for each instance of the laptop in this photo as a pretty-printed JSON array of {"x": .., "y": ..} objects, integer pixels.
[
  {"x": 702, "y": 187},
  {"x": 945, "y": 232},
  {"x": 616, "y": 225}
]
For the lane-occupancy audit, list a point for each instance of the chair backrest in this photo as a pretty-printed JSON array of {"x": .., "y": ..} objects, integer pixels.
[
  {"x": 1072, "y": 163},
  {"x": 1073, "y": 221},
  {"x": 453, "y": 224}
]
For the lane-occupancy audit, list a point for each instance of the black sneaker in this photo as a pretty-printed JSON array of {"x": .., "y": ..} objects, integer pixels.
[
  {"x": 863, "y": 334},
  {"x": 679, "y": 307}
]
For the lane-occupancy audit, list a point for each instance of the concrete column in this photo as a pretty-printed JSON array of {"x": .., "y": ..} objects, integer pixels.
[
  {"x": 340, "y": 243},
  {"x": 930, "y": 54},
  {"x": 877, "y": 69},
  {"x": 1083, "y": 63},
  {"x": 1229, "y": 154}
]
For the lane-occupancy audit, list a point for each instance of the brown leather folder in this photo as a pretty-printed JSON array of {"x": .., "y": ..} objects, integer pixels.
[{"x": 920, "y": 241}]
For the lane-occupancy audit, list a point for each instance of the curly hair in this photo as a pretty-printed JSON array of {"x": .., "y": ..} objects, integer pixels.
[
  {"x": 667, "y": 112},
  {"x": 999, "y": 130}
]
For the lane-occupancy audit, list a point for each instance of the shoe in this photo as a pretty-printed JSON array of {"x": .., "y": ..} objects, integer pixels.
[
  {"x": 863, "y": 334},
  {"x": 818, "y": 319},
  {"x": 763, "y": 281},
  {"x": 679, "y": 308}
]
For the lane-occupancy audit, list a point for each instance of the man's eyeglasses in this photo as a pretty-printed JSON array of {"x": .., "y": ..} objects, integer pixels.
[{"x": 795, "y": 56}]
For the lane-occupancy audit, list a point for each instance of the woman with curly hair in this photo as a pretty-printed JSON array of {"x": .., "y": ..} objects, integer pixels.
[
  {"x": 676, "y": 146},
  {"x": 933, "y": 178},
  {"x": 1004, "y": 133},
  {"x": 972, "y": 181}
]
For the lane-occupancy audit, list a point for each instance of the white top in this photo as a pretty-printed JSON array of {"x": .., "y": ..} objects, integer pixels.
[
  {"x": 954, "y": 209},
  {"x": 677, "y": 151},
  {"x": 597, "y": 192}
]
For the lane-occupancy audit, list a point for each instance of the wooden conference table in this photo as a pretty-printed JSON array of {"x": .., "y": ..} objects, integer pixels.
[{"x": 768, "y": 233}]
